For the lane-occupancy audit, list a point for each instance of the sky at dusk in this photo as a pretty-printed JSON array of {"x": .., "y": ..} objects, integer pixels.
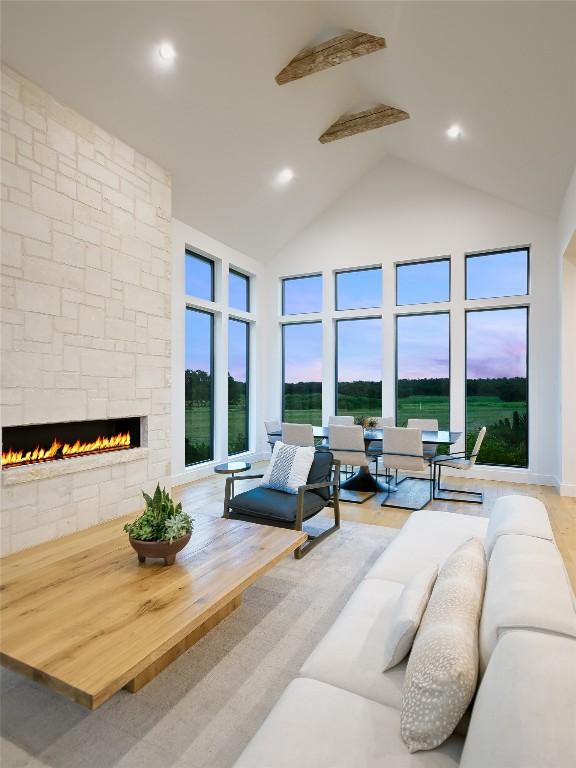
[
  {"x": 302, "y": 294},
  {"x": 359, "y": 289},
  {"x": 237, "y": 348},
  {"x": 423, "y": 346},
  {"x": 198, "y": 277},
  {"x": 198, "y": 326},
  {"x": 496, "y": 343},
  {"x": 238, "y": 291},
  {"x": 303, "y": 352},
  {"x": 497, "y": 274},
  {"x": 360, "y": 350},
  {"x": 424, "y": 282}
]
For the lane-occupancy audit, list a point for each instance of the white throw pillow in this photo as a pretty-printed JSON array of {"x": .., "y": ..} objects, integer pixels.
[
  {"x": 407, "y": 616},
  {"x": 442, "y": 669},
  {"x": 517, "y": 515},
  {"x": 288, "y": 468}
]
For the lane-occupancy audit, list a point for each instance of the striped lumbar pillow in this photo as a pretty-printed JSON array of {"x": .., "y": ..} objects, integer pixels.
[{"x": 289, "y": 467}]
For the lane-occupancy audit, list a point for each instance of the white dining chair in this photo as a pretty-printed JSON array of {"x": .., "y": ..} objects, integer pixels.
[
  {"x": 343, "y": 421},
  {"x": 271, "y": 428},
  {"x": 461, "y": 461},
  {"x": 402, "y": 450},
  {"x": 430, "y": 425},
  {"x": 346, "y": 443},
  {"x": 375, "y": 446},
  {"x": 298, "y": 434}
]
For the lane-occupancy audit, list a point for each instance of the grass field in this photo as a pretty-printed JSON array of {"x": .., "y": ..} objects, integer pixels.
[{"x": 197, "y": 425}]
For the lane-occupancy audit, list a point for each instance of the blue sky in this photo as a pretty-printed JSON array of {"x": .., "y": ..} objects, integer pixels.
[
  {"x": 198, "y": 277},
  {"x": 303, "y": 352},
  {"x": 496, "y": 343},
  {"x": 498, "y": 274},
  {"x": 423, "y": 346},
  {"x": 303, "y": 295},
  {"x": 426, "y": 281},
  {"x": 360, "y": 350},
  {"x": 237, "y": 339},
  {"x": 237, "y": 291},
  {"x": 359, "y": 289}
]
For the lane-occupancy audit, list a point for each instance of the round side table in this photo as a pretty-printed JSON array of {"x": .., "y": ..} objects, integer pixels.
[{"x": 231, "y": 468}]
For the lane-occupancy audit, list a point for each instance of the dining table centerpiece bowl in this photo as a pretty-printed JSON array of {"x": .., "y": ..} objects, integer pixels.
[{"x": 162, "y": 530}]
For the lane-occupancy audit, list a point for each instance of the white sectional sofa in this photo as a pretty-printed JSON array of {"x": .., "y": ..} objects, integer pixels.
[{"x": 344, "y": 712}]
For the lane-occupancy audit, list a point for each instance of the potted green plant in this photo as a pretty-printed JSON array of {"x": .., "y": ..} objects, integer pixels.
[{"x": 162, "y": 529}]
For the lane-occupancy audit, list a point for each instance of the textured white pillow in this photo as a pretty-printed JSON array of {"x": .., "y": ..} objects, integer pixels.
[
  {"x": 442, "y": 670},
  {"x": 407, "y": 616},
  {"x": 288, "y": 468}
]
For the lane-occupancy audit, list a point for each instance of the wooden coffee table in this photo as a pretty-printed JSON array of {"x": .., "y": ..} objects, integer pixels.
[{"x": 80, "y": 615}]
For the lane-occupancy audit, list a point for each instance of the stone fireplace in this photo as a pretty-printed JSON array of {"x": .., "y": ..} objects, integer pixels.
[{"x": 86, "y": 313}]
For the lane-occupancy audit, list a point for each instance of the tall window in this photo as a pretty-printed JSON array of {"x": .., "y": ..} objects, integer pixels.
[
  {"x": 359, "y": 367},
  {"x": 199, "y": 387},
  {"x": 302, "y": 373},
  {"x": 199, "y": 276},
  {"x": 238, "y": 367},
  {"x": 238, "y": 290},
  {"x": 423, "y": 368},
  {"x": 423, "y": 282},
  {"x": 301, "y": 295},
  {"x": 497, "y": 384},
  {"x": 359, "y": 288},
  {"x": 501, "y": 273}
]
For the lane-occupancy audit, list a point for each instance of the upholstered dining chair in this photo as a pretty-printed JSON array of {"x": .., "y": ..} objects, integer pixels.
[
  {"x": 402, "y": 450},
  {"x": 271, "y": 428},
  {"x": 346, "y": 443},
  {"x": 342, "y": 421},
  {"x": 425, "y": 424},
  {"x": 298, "y": 434},
  {"x": 375, "y": 446},
  {"x": 462, "y": 461}
]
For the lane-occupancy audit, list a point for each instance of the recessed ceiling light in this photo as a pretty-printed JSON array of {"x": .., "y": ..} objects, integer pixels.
[
  {"x": 454, "y": 132},
  {"x": 166, "y": 51},
  {"x": 285, "y": 176}
]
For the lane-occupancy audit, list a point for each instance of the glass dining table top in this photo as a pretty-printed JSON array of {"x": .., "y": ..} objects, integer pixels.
[{"x": 441, "y": 437}]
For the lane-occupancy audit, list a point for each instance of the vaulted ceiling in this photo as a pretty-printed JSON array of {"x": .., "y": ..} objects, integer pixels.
[{"x": 505, "y": 71}]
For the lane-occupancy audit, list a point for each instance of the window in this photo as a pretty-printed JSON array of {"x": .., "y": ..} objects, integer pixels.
[
  {"x": 497, "y": 384},
  {"x": 359, "y": 367},
  {"x": 199, "y": 387},
  {"x": 302, "y": 373},
  {"x": 238, "y": 402},
  {"x": 423, "y": 368},
  {"x": 502, "y": 273},
  {"x": 359, "y": 288},
  {"x": 301, "y": 295},
  {"x": 423, "y": 282},
  {"x": 199, "y": 276},
  {"x": 238, "y": 291}
]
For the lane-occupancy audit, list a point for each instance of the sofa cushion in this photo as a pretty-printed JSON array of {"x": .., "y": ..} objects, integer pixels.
[
  {"x": 350, "y": 654},
  {"x": 524, "y": 715},
  {"x": 315, "y": 725},
  {"x": 517, "y": 515},
  {"x": 442, "y": 669},
  {"x": 276, "y": 505},
  {"x": 427, "y": 538},
  {"x": 407, "y": 616},
  {"x": 288, "y": 468},
  {"x": 527, "y": 588},
  {"x": 320, "y": 472}
]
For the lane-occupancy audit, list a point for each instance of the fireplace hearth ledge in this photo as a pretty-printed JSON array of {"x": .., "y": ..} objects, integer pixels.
[{"x": 31, "y": 472}]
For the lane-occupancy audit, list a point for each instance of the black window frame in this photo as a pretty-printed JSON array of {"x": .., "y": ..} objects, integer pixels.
[
  {"x": 302, "y": 277},
  {"x": 415, "y": 262},
  {"x": 336, "y": 356},
  {"x": 190, "y": 308},
  {"x": 202, "y": 257},
  {"x": 496, "y": 309},
  {"x": 496, "y": 252},
  {"x": 283, "y": 379},
  {"x": 248, "y": 326},
  {"x": 247, "y": 280},
  {"x": 359, "y": 269},
  {"x": 420, "y": 314}
]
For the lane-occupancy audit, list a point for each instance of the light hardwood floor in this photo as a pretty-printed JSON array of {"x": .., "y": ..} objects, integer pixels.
[{"x": 207, "y": 496}]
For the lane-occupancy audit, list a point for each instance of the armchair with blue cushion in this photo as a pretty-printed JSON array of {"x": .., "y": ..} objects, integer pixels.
[{"x": 287, "y": 510}]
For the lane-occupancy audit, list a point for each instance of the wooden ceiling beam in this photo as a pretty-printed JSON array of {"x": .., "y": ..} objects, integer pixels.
[
  {"x": 359, "y": 122},
  {"x": 330, "y": 54}
]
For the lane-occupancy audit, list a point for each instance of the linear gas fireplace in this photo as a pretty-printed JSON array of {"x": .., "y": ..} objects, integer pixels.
[{"x": 40, "y": 443}]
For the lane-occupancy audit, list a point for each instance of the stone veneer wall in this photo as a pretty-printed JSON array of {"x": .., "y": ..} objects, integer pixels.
[{"x": 86, "y": 304}]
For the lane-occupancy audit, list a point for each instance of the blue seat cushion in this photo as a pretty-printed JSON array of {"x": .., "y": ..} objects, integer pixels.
[{"x": 269, "y": 504}]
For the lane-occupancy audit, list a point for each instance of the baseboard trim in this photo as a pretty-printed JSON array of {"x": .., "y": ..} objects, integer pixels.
[
  {"x": 567, "y": 489},
  {"x": 504, "y": 474},
  {"x": 207, "y": 469}
]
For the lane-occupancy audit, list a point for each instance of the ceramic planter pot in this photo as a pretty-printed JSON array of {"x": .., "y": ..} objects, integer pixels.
[{"x": 161, "y": 549}]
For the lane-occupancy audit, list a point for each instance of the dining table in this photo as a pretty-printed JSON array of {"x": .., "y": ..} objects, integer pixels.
[{"x": 363, "y": 480}]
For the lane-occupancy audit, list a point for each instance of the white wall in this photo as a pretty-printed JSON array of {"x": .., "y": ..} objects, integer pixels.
[
  {"x": 402, "y": 212},
  {"x": 224, "y": 257},
  {"x": 567, "y": 403}
]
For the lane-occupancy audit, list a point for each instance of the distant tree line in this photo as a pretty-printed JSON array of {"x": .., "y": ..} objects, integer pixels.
[{"x": 198, "y": 389}]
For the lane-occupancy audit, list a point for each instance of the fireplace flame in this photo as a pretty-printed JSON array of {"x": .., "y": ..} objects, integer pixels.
[{"x": 12, "y": 458}]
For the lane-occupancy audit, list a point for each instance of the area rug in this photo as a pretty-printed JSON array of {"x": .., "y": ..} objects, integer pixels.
[{"x": 203, "y": 709}]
